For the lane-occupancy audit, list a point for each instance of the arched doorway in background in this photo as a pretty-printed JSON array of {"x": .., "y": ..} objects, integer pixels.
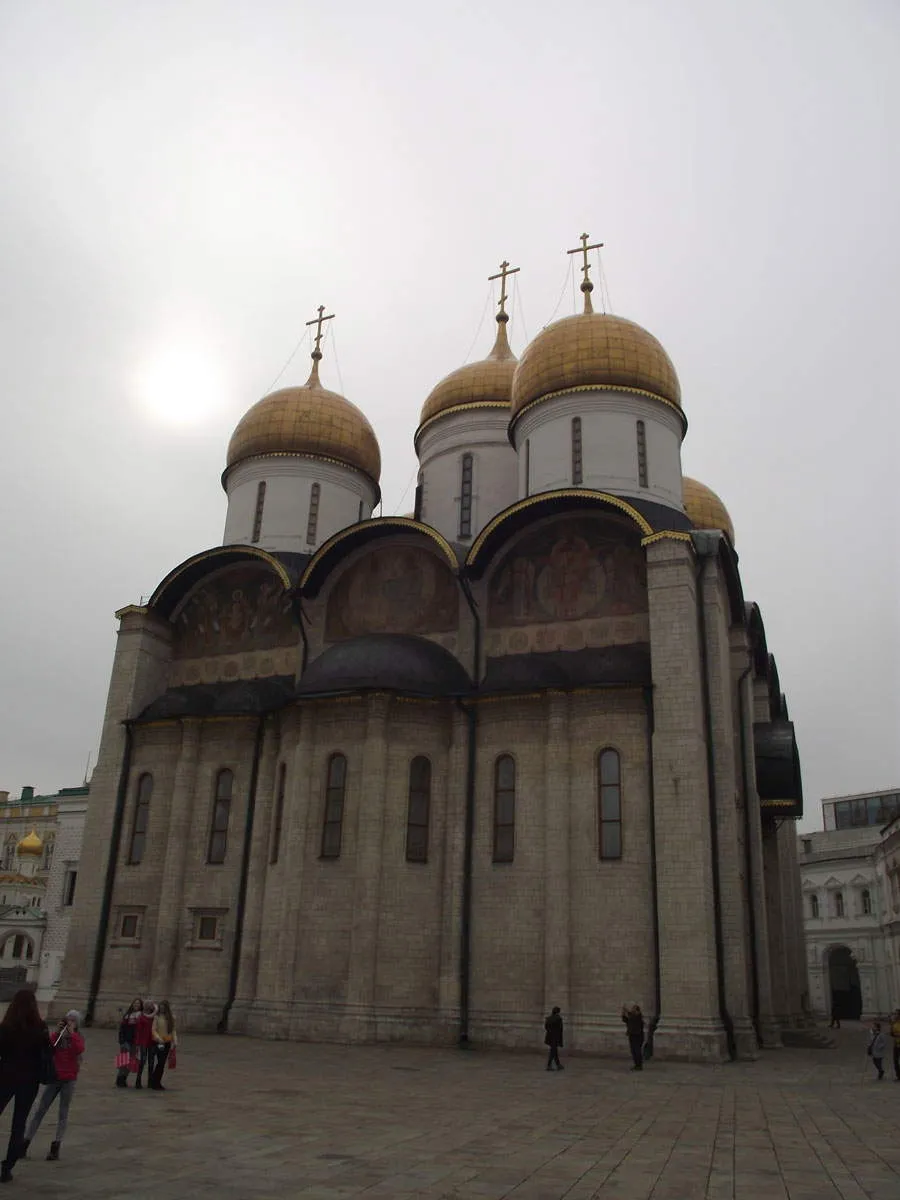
[{"x": 843, "y": 980}]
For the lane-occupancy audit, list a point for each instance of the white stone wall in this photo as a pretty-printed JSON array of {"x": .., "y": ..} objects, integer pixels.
[
  {"x": 289, "y": 480},
  {"x": 482, "y": 432},
  {"x": 69, "y": 833},
  {"x": 609, "y": 445}
]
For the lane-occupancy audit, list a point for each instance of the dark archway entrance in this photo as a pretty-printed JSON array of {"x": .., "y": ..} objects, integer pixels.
[{"x": 843, "y": 979}]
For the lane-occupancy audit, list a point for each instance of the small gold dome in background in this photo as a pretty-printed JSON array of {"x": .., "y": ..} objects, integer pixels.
[
  {"x": 486, "y": 383},
  {"x": 31, "y": 844},
  {"x": 704, "y": 507},
  {"x": 307, "y": 420},
  {"x": 593, "y": 349}
]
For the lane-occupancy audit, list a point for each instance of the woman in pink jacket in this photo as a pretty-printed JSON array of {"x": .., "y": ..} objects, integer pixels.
[{"x": 68, "y": 1047}]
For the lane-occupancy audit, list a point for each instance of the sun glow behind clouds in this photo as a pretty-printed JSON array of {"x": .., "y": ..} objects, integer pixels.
[{"x": 180, "y": 384}]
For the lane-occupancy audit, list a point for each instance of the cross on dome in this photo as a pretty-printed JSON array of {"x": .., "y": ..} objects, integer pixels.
[
  {"x": 316, "y": 355},
  {"x": 586, "y": 286},
  {"x": 504, "y": 272}
]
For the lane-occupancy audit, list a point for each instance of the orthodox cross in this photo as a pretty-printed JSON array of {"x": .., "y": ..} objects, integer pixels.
[
  {"x": 586, "y": 286},
  {"x": 319, "y": 321},
  {"x": 505, "y": 271}
]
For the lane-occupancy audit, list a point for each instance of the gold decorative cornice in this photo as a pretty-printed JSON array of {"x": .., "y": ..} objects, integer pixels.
[
  {"x": 667, "y": 535},
  {"x": 325, "y": 458},
  {"x": 542, "y": 498},
  {"x": 354, "y": 531},
  {"x": 457, "y": 408}
]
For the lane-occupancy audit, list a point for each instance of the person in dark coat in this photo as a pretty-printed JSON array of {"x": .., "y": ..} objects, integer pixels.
[
  {"x": 553, "y": 1037},
  {"x": 24, "y": 1045},
  {"x": 634, "y": 1027}
]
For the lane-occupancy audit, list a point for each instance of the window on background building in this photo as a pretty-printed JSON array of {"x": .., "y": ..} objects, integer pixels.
[
  {"x": 642, "y": 454},
  {"x": 504, "y": 809},
  {"x": 465, "y": 496},
  {"x": 138, "y": 841},
  {"x": 9, "y": 853},
  {"x": 18, "y": 946},
  {"x": 577, "y": 472},
  {"x": 807, "y": 846},
  {"x": 419, "y": 810},
  {"x": 69, "y": 888},
  {"x": 866, "y": 902},
  {"x": 335, "y": 789},
  {"x": 609, "y": 780},
  {"x": 278, "y": 816},
  {"x": 49, "y": 845},
  {"x": 221, "y": 814},
  {"x": 838, "y": 904},
  {"x": 312, "y": 523},
  {"x": 258, "y": 515},
  {"x": 814, "y": 906}
]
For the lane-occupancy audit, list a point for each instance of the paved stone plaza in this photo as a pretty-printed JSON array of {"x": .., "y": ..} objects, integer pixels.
[{"x": 250, "y": 1119}]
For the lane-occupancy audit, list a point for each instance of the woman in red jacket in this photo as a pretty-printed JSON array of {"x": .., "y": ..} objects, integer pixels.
[
  {"x": 68, "y": 1047},
  {"x": 24, "y": 1041},
  {"x": 143, "y": 1042}
]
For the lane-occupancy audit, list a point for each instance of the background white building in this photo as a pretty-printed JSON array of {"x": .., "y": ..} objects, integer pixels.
[
  {"x": 852, "y": 925},
  {"x": 40, "y": 844}
]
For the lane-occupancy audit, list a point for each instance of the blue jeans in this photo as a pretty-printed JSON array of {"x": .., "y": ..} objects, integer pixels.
[{"x": 65, "y": 1089}]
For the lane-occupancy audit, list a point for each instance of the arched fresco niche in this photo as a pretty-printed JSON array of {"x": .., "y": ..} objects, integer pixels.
[
  {"x": 572, "y": 582},
  {"x": 236, "y": 624},
  {"x": 393, "y": 589}
]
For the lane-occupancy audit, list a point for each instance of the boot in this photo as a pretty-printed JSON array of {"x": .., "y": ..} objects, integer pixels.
[
  {"x": 121, "y": 1081},
  {"x": 137, "y": 1082},
  {"x": 5, "y": 1173},
  {"x": 54, "y": 1152}
]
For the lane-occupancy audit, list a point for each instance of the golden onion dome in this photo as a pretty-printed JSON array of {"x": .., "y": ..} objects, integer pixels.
[
  {"x": 483, "y": 384},
  {"x": 31, "y": 844},
  {"x": 705, "y": 509},
  {"x": 308, "y": 420},
  {"x": 593, "y": 350}
]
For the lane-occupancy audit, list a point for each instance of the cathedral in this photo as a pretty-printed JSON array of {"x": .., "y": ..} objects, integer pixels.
[{"x": 368, "y": 778}]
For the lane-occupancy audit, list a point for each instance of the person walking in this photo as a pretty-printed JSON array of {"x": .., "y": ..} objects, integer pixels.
[
  {"x": 835, "y": 1016},
  {"x": 895, "y": 1034},
  {"x": 24, "y": 1051},
  {"x": 143, "y": 1043},
  {"x": 878, "y": 1048},
  {"x": 634, "y": 1027},
  {"x": 127, "y": 1034},
  {"x": 553, "y": 1037},
  {"x": 165, "y": 1039},
  {"x": 68, "y": 1047}
]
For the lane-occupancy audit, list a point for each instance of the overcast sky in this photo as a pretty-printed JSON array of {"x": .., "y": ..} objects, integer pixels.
[{"x": 182, "y": 183}]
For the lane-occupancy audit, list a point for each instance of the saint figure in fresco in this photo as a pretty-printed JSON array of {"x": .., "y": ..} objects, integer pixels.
[{"x": 571, "y": 584}]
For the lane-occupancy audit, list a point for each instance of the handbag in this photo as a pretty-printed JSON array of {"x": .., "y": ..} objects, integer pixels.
[{"x": 123, "y": 1060}]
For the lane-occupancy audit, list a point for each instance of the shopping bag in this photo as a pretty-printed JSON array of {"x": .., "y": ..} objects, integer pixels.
[
  {"x": 134, "y": 1064},
  {"x": 173, "y": 1061},
  {"x": 123, "y": 1059}
]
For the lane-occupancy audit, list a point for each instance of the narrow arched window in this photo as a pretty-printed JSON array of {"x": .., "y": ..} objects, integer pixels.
[
  {"x": 866, "y": 902},
  {"x": 312, "y": 523},
  {"x": 576, "y": 451},
  {"x": 814, "y": 907},
  {"x": 528, "y": 466},
  {"x": 278, "y": 816},
  {"x": 221, "y": 814},
  {"x": 504, "y": 809},
  {"x": 642, "y": 454},
  {"x": 258, "y": 515},
  {"x": 465, "y": 496},
  {"x": 838, "y": 904},
  {"x": 138, "y": 840},
  {"x": 419, "y": 810},
  {"x": 335, "y": 787},
  {"x": 359, "y": 511},
  {"x": 609, "y": 783}
]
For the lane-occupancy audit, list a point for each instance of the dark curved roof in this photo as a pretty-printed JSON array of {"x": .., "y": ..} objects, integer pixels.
[
  {"x": 186, "y": 575},
  {"x": 778, "y": 780},
  {"x": 385, "y": 661},
  {"x": 242, "y": 697},
  {"x": 335, "y": 549}
]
